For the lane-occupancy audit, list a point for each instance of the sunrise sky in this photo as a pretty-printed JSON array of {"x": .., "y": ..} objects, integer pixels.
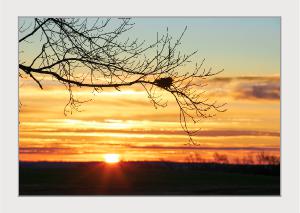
[{"x": 126, "y": 123}]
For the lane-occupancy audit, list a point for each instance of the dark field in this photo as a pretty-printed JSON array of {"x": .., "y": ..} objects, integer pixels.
[{"x": 147, "y": 178}]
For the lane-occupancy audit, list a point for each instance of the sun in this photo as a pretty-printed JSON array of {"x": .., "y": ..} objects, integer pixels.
[{"x": 111, "y": 158}]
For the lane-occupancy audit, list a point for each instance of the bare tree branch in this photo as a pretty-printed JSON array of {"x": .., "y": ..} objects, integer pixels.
[{"x": 95, "y": 53}]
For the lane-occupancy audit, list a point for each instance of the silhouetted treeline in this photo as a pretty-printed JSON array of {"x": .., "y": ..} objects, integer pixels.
[{"x": 260, "y": 158}]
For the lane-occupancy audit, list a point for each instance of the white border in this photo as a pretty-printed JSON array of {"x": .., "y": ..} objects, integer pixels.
[{"x": 288, "y": 10}]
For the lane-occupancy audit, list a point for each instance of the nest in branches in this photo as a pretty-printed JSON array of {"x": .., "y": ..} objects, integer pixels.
[{"x": 164, "y": 82}]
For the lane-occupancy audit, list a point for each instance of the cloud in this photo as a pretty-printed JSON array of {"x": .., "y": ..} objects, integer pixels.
[
  {"x": 48, "y": 150},
  {"x": 204, "y": 133},
  {"x": 269, "y": 90},
  {"x": 251, "y": 88},
  {"x": 207, "y": 148},
  {"x": 63, "y": 150}
]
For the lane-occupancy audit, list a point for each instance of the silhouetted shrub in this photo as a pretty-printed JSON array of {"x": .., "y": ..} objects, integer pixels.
[
  {"x": 262, "y": 158},
  {"x": 221, "y": 158}
]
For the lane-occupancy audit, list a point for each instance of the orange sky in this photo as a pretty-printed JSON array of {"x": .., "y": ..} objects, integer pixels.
[{"x": 126, "y": 123}]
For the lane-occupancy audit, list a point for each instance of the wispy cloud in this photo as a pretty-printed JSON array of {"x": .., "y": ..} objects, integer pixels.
[
  {"x": 206, "y": 148},
  {"x": 138, "y": 131},
  {"x": 69, "y": 151}
]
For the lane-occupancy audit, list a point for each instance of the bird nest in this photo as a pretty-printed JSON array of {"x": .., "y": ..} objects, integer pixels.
[{"x": 164, "y": 82}]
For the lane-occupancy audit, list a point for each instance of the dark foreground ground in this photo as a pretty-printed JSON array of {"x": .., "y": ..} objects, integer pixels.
[{"x": 147, "y": 178}]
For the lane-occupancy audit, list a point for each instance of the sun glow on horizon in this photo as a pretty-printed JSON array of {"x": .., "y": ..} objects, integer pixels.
[{"x": 111, "y": 158}]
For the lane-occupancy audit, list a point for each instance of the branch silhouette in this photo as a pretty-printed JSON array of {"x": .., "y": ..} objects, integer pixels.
[{"x": 95, "y": 53}]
